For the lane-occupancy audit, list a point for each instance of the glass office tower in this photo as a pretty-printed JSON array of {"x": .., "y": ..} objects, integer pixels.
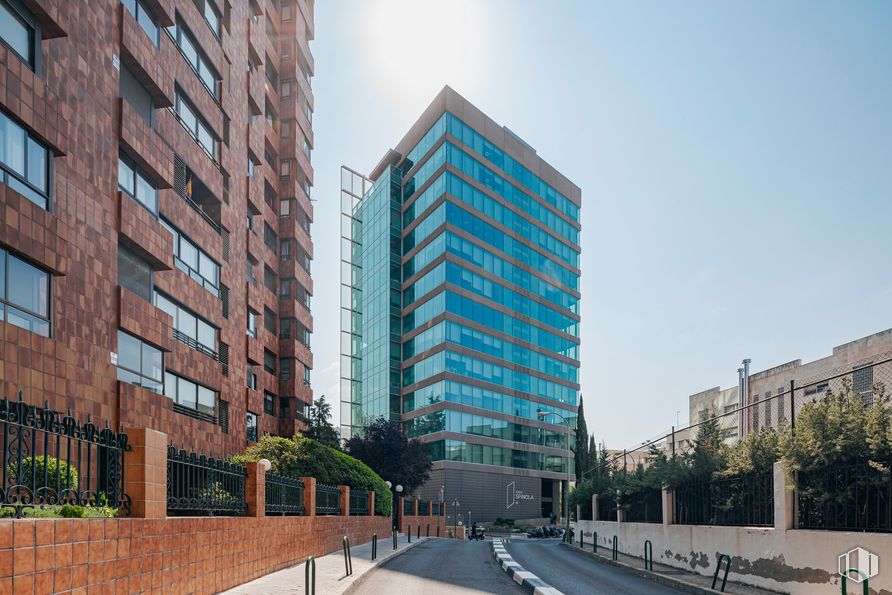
[{"x": 460, "y": 309}]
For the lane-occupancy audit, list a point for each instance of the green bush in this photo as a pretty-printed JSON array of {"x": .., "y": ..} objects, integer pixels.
[
  {"x": 35, "y": 466},
  {"x": 303, "y": 457},
  {"x": 67, "y": 511},
  {"x": 71, "y": 511}
]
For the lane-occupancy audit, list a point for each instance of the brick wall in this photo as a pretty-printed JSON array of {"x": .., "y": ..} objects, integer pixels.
[{"x": 173, "y": 555}]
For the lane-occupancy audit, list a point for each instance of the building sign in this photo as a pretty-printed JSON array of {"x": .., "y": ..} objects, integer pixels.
[{"x": 513, "y": 495}]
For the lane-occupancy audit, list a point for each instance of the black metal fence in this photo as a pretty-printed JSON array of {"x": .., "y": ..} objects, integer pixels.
[
  {"x": 200, "y": 485},
  {"x": 606, "y": 507},
  {"x": 359, "y": 503},
  {"x": 745, "y": 501},
  {"x": 424, "y": 508},
  {"x": 284, "y": 495},
  {"x": 408, "y": 508},
  {"x": 644, "y": 507},
  {"x": 845, "y": 498},
  {"x": 53, "y": 459},
  {"x": 328, "y": 499}
]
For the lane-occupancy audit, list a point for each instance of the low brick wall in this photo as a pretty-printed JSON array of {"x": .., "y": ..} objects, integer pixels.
[
  {"x": 428, "y": 523},
  {"x": 170, "y": 555}
]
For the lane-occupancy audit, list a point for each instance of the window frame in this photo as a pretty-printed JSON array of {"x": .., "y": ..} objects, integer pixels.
[
  {"x": 250, "y": 415},
  {"x": 218, "y": 17},
  {"x": 137, "y": 175},
  {"x": 269, "y": 403},
  {"x": 135, "y": 11},
  {"x": 179, "y": 30},
  {"x": 140, "y": 373},
  {"x": 6, "y": 304},
  {"x": 178, "y": 239},
  {"x": 192, "y": 411},
  {"x": 197, "y": 344},
  {"x": 181, "y": 101},
  {"x": 32, "y": 27},
  {"x": 20, "y": 181}
]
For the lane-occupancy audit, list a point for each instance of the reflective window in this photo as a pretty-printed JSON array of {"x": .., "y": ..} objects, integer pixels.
[
  {"x": 24, "y": 294},
  {"x": 17, "y": 31},
  {"x": 189, "y": 394},
  {"x": 252, "y": 323},
  {"x": 189, "y": 328},
  {"x": 144, "y": 18},
  {"x": 139, "y": 363},
  {"x": 136, "y": 95},
  {"x": 195, "y": 125},
  {"x": 24, "y": 162},
  {"x": 132, "y": 182},
  {"x": 134, "y": 273},
  {"x": 196, "y": 58},
  {"x": 212, "y": 17},
  {"x": 194, "y": 262},
  {"x": 251, "y": 430}
]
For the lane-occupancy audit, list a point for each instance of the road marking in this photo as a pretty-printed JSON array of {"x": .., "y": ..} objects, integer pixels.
[{"x": 529, "y": 581}]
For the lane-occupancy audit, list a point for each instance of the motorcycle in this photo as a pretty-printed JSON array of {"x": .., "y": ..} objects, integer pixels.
[{"x": 478, "y": 535}]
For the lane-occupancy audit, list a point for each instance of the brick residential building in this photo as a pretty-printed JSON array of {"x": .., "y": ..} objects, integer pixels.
[{"x": 154, "y": 244}]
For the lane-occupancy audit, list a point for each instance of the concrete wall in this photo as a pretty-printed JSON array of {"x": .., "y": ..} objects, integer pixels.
[{"x": 780, "y": 558}]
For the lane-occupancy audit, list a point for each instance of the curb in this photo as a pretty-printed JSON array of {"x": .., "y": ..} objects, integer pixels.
[
  {"x": 527, "y": 580},
  {"x": 653, "y": 576},
  {"x": 381, "y": 560}
]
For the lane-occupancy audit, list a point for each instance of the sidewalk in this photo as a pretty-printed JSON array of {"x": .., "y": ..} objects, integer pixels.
[
  {"x": 330, "y": 573},
  {"x": 689, "y": 582}
]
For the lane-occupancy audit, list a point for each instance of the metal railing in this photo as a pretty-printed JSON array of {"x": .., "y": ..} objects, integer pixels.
[
  {"x": 644, "y": 507},
  {"x": 284, "y": 495},
  {"x": 193, "y": 344},
  {"x": 424, "y": 508},
  {"x": 845, "y": 498},
  {"x": 408, "y": 509},
  {"x": 328, "y": 500},
  {"x": 606, "y": 507},
  {"x": 52, "y": 459},
  {"x": 359, "y": 503},
  {"x": 744, "y": 501},
  {"x": 200, "y": 485}
]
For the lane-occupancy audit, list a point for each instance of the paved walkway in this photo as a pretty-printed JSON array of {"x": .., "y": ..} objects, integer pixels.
[{"x": 330, "y": 574}]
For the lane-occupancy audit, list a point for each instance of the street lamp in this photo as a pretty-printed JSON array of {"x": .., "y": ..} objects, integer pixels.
[
  {"x": 455, "y": 505},
  {"x": 543, "y": 415},
  {"x": 394, "y": 492}
]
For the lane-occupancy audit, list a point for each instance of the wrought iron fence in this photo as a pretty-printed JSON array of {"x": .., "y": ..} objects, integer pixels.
[
  {"x": 200, "y": 485},
  {"x": 328, "y": 499},
  {"x": 644, "y": 507},
  {"x": 845, "y": 498},
  {"x": 53, "y": 459},
  {"x": 408, "y": 508},
  {"x": 606, "y": 507},
  {"x": 284, "y": 495},
  {"x": 424, "y": 508},
  {"x": 745, "y": 501},
  {"x": 359, "y": 503}
]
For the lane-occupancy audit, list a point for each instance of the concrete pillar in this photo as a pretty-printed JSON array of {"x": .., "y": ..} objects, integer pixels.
[
  {"x": 784, "y": 506},
  {"x": 430, "y": 508},
  {"x": 309, "y": 496},
  {"x": 255, "y": 489},
  {"x": 345, "y": 500},
  {"x": 145, "y": 473},
  {"x": 594, "y": 507},
  {"x": 668, "y": 498},
  {"x": 371, "y": 503},
  {"x": 415, "y": 507}
]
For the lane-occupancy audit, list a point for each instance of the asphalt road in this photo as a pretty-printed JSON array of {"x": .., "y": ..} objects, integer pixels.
[
  {"x": 575, "y": 573},
  {"x": 439, "y": 566}
]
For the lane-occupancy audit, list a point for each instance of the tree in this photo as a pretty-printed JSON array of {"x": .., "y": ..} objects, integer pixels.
[
  {"x": 583, "y": 458},
  {"x": 384, "y": 446},
  {"x": 320, "y": 429}
]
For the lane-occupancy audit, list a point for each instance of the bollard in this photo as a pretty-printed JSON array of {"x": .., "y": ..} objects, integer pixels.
[
  {"x": 308, "y": 589},
  {"x": 595, "y": 542},
  {"x": 438, "y": 529},
  {"x": 615, "y": 553},
  {"x": 718, "y": 566},
  {"x": 408, "y": 534},
  {"x": 648, "y": 555},
  {"x": 418, "y": 532},
  {"x": 348, "y": 558},
  {"x": 394, "y": 539},
  {"x": 427, "y": 533},
  {"x": 374, "y": 545},
  {"x": 863, "y": 576},
  {"x": 581, "y": 538}
]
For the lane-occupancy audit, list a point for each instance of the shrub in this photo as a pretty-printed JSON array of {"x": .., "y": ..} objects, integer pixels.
[
  {"x": 71, "y": 511},
  {"x": 303, "y": 457},
  {"x": 33, "y": 470}
]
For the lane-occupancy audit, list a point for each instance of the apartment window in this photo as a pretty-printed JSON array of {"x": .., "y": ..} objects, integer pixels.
[
  {"x": 285, "y": 168},
  {"x": 139, "y": 363},
  {"x": 196, "y": 58},
  {"x": 307, "y": 148},
  {"x": 250, "y": 272},
  {"x": 136, "y": 95},
  {"x": 212, "y": 17},
  {"x": 196, "y": 125},
  {"x": 285, "y": 368},
  {"x": 284, "y": 209},
  {"x": 286, "y": 90},
  {"x": 269, "y": 403},
  {"x": 285, "y": 249},
  {"x": 144, "y": 18},
  {"x": 269, "y": 320},
  {"x": 285, "y": 328},
  {"x": 308, "y": 112},
  {"x": 132, "y": 182},
  {"x": 815, "y": 389},
  {"x": 306, "y": 375},
  {"x": 190, "y": 395},
  {"x": 862, "y": 383},
  {"x": 269, "y": 361},
  {"x": 252, "y": 323},
  {"x": 285, "y": 287},
  {"x": 18, "y": 31},
  {"x": 189, "y": 328},
  {"x": 284, "y": 129},
  {"x": 194, "y": 262},
  {"x": 285, "y": 408},
  {"x": 286, "y": 12},
  {"x": 251, "y": 431},
  {"x": 24, "y": 162},
  {"x": 134, "y": 273},
  {"x": 24, "y": 294},
  {"x": 252, "y": 378},
  {"x": 269, "y": 279},
  {"x": 269, "y": 236}
]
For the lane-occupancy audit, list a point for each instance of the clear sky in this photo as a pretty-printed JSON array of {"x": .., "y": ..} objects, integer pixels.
[{"x": 735, "y": 160}]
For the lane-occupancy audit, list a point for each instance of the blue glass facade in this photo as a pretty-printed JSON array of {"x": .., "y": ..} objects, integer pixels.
[{"x": 468, "y": 288}]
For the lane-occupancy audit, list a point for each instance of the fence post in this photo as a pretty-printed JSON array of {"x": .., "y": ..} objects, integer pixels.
[
  {"x": 784, "y": 501},
  {"x": 400, "y": 512},
  {"x": 255, "y": 488},
  {"x": 430, "y": 508},
  {"x": 792, "y": 405},
  {"x": 415, "y": 507},
  {"x": 594, "y": 507},
  {"x": 371, "y": 503},
  {"x": 309, "y": 496},
  {"x": 668, "y": 498},
  {"x": 145, "y": 472},
  {"x": 345, "y": 500}
]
